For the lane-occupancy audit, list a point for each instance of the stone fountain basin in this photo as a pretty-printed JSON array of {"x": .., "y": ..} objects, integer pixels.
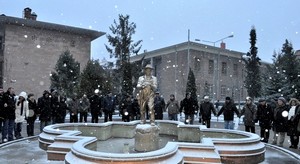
[{"x": 77, "y": 143}]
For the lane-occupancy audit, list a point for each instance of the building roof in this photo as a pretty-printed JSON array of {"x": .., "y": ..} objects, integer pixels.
[
  {"x": 50, "y": 26},
  {"x": 184, "y": 46}
]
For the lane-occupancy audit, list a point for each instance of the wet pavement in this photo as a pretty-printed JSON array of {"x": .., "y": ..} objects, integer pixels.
[{"x": 27, "y": 150}]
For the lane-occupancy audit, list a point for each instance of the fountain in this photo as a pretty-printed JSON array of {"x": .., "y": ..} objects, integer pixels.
[{"x": 83, "y": 143}]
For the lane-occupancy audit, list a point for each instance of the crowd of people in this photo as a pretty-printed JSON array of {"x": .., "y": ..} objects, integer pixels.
[{"x": 282, "y": 117}]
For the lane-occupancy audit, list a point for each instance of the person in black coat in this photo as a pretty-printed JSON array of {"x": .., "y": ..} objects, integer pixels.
[
  {"x": 127, "y": 109},
  {"x": 280, "y": 120},
  {"x": 205, "y": 111},
  {"x": 293, "y": 118},
  {"x": 45, "y": 110},
  {"x": 32, "y": 114},
  {"x": 228, "y": 111},
  {"x": 189, "y": 106},
  {"x": 1, "y": 109},
  {"x": 109, "y": 107},
  {"x": 9, "y": 107},
  {"x": 159, "y": 106},
  {"x": 61, "y": 110},
  {"x": 95, "y": 106},
  {"x": 55, "y": 98},
  {"x": 264, "y": 116}
]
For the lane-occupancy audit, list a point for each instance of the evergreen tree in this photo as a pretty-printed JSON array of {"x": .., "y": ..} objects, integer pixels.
[
  {"x": 66, "y": 76},
  {"x": 94, "y": 77},
  {"x": 191, "y": 84},
  {"x": 290, "y": 66},
  {"x": 277, "y": 84},
  {"x": 122, "y": 48},
  {"x": 253, "y": 79}
]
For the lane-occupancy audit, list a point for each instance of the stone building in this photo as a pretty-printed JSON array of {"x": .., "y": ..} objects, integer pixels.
[
  {"x": 219, "y": 72},
  {"x": 29, "y": 50}
]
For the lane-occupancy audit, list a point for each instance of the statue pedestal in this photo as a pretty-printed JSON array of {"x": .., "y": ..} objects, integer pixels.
[{"x": 146, "y": 138}]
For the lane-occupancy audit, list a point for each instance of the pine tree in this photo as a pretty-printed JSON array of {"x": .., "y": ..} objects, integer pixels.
[
  {"x": 290, "y": 66},
  {"x": 191, "y": 84},
  {"x": 66, "y": 76},
  {"x": 94, "y": 77},
  {"x": 277, "y": 84},
  {"x": 253, "y": 79},
  {"x": 122, "y": 48}
]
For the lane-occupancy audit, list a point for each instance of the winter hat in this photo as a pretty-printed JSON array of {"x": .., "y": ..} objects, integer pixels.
[
  {"x": 188, "y": 93},
  {"x": 46, "y": 92},
  {"x": 30, "y": 95},
  {"x": 23, "y": 94},
  {"x": 227, "y": 98},
  {"x": 261, "y": 100},
  {"x": 248, "y": 98},
  {"x": 206, "y": 97},
  {"x": 282, "y": 99}
]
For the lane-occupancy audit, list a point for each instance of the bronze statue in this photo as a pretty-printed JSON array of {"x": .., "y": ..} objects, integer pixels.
[{"x": 147, "y": 85}]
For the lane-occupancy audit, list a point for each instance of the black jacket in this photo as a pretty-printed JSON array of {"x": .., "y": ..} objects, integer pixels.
[
  {"x": 9, "y": 110},
  {"x": 189, "y": 106},
  {"x": 32, "y": 105},
  {"x": 205, "y": 110},
  {"x": 44, "y": 105},
  {"x": 159, "y": 107},
  {"x": 280, "y": 122},
  {"x": 228, "y": 109},
  {"x": 2, "y": 113},
  {"x": 95, "y": 104},
  {"x": 264, "y": 116}
]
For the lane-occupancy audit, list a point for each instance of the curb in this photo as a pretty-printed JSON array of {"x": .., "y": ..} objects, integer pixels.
[
  {"x": 296, "y": 156},
  {"x": 17, "y": 140}
]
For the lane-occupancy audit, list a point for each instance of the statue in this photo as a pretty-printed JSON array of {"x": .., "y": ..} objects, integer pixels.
[{"x": 147, "y": 85}]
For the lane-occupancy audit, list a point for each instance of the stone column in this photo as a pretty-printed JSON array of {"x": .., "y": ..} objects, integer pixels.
[{"x": 146, "y": 138}]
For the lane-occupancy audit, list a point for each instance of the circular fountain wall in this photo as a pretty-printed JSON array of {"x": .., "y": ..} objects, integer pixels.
[{"x": 113, "y": 142}]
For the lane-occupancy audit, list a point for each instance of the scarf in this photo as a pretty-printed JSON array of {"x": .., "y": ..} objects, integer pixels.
[{"x": 291, "y": 112}]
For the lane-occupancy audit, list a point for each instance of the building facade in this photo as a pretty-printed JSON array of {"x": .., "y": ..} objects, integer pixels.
[
  {"x": 29, "y": 50},
  {"x": 219, "y": 72}
]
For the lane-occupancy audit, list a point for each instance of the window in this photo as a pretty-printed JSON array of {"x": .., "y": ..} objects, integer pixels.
[
  {"x": 235, "y": 69},
  {"x": 224, "y": 68},
  {"x": 197, "y": 64},
  {"x": 223, "y": 90},
  {"x": 210, "y": 67}
]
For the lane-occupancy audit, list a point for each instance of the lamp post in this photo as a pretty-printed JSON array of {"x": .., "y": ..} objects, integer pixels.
[
  {"x": 214, "y": 42},
  {"x": 216, "y": 70}
]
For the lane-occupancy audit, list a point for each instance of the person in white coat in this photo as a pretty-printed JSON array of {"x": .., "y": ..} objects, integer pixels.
[{"x": 21, "y": 112}]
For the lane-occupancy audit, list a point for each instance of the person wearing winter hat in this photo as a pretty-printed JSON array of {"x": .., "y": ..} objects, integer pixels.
[
  {"x": 32, "y": 114},
  {"x": 44, "y": 110},
  {"x": 249, "y": 112},
  {"x": 189, "y": 105},
  {"x": 280, "y": 119},
  {"x": 229, "y": 108},
  {"x": 206, "y": 107},
  {"x": 21, "y": 111},
  {"x": 264, "y": 115},
  {"x": 293, "y": 119}
]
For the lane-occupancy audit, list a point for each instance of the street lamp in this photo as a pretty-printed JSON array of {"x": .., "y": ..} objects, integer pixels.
[
  {"x": 214, "y": 42},
  {"x": 216, "y": 70}
]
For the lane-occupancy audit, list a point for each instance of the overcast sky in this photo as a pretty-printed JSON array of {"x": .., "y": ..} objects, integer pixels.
[{"x": 162, "y": 23}]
